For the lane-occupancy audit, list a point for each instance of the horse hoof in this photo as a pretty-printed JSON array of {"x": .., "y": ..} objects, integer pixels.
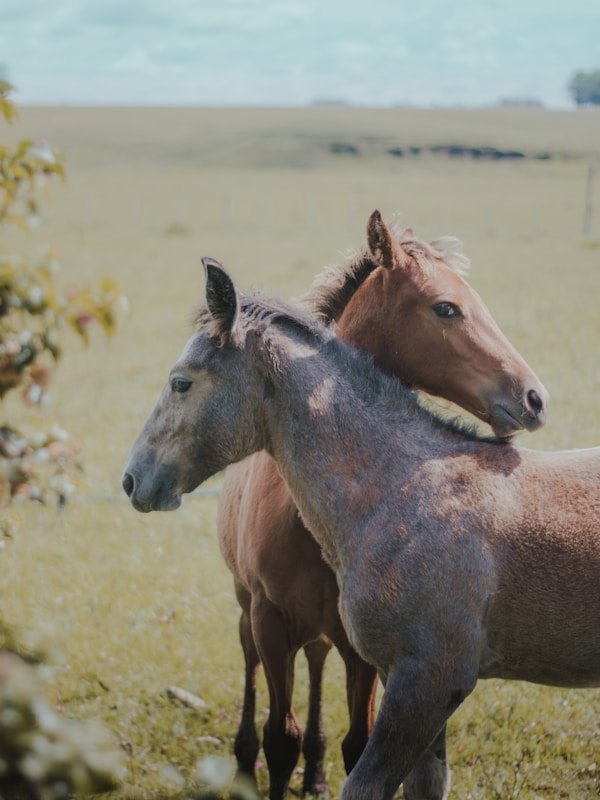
[
  {"x": 318, "y": 789},
  {"x": 244, "y": 786}
]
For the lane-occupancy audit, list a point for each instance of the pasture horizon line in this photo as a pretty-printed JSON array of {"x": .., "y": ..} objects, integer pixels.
[{"x": 508, "y": 106}]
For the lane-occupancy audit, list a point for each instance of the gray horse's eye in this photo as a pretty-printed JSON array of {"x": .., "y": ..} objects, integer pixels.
[
  {"x": 447, "y": 310},
  {"x": 180, "y": 385}
]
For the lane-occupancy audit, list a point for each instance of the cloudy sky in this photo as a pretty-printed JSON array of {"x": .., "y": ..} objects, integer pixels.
[{"x": 293, "y": 52}]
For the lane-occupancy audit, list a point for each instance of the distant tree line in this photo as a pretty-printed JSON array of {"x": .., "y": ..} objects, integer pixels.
[{"x": 585, "y": 88}]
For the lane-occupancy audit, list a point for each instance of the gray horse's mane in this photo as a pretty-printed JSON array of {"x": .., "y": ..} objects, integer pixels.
[
  {"x": 404, "y": 400},
  {"x": 270, "y": 310},
  {"x": 271, "y": 316},
  {"x": 259, "y": 312},
  {"x": 334, "y": 287}
]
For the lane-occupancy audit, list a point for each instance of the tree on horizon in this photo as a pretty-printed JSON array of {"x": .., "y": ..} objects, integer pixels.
[{"x": 584, "y": 88}]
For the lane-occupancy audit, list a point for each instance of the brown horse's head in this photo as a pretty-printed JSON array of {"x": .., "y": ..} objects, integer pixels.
[{"x": 423, "y": 322}]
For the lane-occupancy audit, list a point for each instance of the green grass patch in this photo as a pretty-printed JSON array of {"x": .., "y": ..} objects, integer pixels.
[{"x": 138, "y": 603}]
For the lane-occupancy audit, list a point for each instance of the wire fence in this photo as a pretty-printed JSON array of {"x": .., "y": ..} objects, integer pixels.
[{"x": 122, "y": 498}]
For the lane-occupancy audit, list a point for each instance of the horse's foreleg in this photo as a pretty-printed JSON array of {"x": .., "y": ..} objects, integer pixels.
[
  {"x": 430, "y": 777},
  {"x": 314, "y": 738},
  {"x": 246, "y": 741},
  {"x": 282, "y": 740},
  {"x": 361, "y": 688},
  {"x": 416, "y": 704}
]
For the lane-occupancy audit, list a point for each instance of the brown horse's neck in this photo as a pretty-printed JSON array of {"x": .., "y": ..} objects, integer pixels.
[
  {"x": 355, "y": 325},
  {"x": 365, "y": 325}
]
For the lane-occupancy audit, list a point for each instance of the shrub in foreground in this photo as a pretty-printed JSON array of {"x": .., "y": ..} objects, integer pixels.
[
  {"x": 34, "y": 312},
  {"x": 44, "y": 756}
]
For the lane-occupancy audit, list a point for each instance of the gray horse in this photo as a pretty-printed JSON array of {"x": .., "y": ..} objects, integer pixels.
[
  {"x": 404, "y": 302},
  {"x": 457, "y": 556}
]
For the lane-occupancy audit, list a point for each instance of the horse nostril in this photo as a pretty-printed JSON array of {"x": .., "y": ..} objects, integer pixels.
[
  {"x": 536, "y": 404},
  {"x": 128, "y": 484}
]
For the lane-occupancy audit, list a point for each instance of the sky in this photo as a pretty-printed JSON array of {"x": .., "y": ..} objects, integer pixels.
[{"x": 296, "y": 52}]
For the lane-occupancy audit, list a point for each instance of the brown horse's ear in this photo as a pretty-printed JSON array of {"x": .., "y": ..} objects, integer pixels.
[
  {"x": 382, "y": 245},
  {"x": 221, "y": 296}
]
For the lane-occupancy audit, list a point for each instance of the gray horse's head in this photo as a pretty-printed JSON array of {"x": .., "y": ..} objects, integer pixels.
[{"x": 208, "y": 414}]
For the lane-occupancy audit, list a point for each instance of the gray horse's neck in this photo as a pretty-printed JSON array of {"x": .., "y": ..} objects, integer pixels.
[{"x": 346, "y": 437}]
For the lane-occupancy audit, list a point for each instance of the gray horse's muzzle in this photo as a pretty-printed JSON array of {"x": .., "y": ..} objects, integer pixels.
[{"x": 150, "y": 491}]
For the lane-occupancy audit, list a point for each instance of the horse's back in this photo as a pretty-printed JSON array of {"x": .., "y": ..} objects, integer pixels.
[
  {"x": 504, "y": 537},
  {"x": 560, "y": 495},
  {"x": 542, "y": 624}
]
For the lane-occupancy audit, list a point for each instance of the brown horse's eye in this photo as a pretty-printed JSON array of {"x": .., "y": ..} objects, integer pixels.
[
  {"x": 180, "y": 385},
  {"x": 447, "y": 310}
]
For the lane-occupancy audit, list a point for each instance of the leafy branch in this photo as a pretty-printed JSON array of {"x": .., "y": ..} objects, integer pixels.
[{"x": 34, "y": 312}]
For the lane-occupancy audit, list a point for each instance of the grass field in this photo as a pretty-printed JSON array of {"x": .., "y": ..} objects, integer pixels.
[{"x": 136, "y": 603}]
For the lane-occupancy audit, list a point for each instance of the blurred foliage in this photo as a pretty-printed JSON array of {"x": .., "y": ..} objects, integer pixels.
[
  {"x": 585, "y": 88},
  {"x": 33, "y": 314},
  {"x": 218, "y": 781},
  {"x": 44, "y": 756},
  {"x": 7, "y": 108}
]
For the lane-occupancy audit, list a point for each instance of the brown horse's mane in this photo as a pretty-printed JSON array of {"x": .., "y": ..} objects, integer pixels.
[{"x": 334, "y": 287}]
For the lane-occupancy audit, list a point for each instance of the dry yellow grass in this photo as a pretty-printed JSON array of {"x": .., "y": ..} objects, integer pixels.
[{"x": 140, "y": 602}]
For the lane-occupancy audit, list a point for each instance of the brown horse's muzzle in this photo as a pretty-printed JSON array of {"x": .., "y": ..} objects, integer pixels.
[{"x": 529, "y": 414}]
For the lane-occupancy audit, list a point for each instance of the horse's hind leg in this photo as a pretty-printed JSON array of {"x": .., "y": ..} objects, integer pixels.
[
  {"x": 282, "y": 740},
  {"x": 361, "y": 688},
  {"x": 314, "y": 738},
  {"x": 246, "y": 741}
]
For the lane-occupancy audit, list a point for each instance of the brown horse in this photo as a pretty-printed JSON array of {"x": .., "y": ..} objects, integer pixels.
[
  {"x": 409, "y": 307},
  {"x": 457, "y": 557}
]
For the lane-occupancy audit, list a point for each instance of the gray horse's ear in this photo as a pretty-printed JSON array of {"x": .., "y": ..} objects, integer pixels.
[
  {"x": 382, "y": 245},
  {"x": 221, "y": 295}
]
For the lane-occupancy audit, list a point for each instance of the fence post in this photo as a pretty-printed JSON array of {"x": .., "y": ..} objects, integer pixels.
[{"x": 589, "y": 201}]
